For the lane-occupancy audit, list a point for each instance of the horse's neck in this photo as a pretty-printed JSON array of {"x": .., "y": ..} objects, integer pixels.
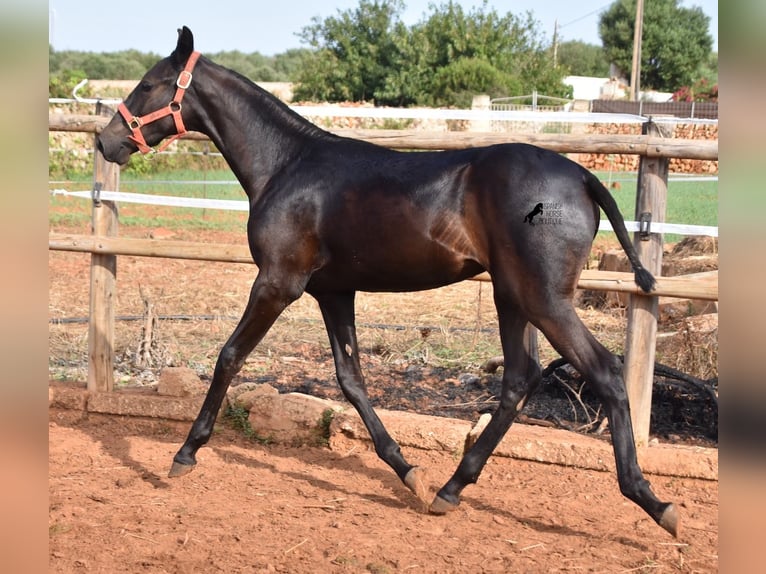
[{"x": 255, "y": 135}]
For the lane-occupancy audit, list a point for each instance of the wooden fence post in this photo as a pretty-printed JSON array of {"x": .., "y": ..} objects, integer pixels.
[
  {"x": 651, "y": 201},
  {"x": 103, "y": 273},
  {"x": 481, "y": 102}
]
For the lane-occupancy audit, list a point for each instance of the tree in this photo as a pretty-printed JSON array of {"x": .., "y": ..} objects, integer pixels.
[
  {"x": 369, "y": 54},
  {"x": 260, "y": 68},
  {"x": 451, "y": 42},
  {"x": 675, "y": 41},
  {"x": 708, "y": 71},
  {"x": 459, "y": 81},
  {"x": 66, "y": 66},
  {"x": 288, "y": 64},
  {"x": 123, "y": 65},
  {"x": 581, "y": 59},
  {"x": 354, "y": 53}
]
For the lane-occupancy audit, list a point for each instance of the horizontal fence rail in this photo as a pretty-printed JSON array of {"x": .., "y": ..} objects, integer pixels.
[
  {"x": 649, "y": 146},
  {"x": 696, "y": 286}
]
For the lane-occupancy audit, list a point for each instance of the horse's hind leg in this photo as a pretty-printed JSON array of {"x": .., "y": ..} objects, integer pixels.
[
  {"x": 338, "y": 313},
  {"x": 264, "y": 306},
  {"x": 603, "y": 370},
  {"x": 521, "y": 377}
]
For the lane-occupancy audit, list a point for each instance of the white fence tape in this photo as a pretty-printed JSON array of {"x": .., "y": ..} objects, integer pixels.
[
  {"x": 241, "y": 205},
  {"x": 657, "y": 227},
  {"x": 167, "y": 200}
]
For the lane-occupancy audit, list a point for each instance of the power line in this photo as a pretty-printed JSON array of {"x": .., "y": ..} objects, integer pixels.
[{"x": 597, "y": 10}]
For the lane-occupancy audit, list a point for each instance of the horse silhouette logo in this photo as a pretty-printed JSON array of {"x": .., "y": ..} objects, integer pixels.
[{"x": 538, "y": 210}]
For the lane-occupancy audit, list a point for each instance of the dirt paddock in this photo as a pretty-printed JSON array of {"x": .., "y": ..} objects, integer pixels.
[{"x": 253, "y": 507}]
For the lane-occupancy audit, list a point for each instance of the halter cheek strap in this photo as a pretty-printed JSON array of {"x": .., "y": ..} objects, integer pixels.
[{"x": 172, "y": 109}]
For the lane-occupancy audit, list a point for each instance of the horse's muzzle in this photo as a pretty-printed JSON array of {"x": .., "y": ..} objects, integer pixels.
[{"x": 119, "y": 153}]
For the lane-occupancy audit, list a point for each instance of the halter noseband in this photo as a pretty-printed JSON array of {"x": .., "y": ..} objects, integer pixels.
[{"x": 172, "y": 109}]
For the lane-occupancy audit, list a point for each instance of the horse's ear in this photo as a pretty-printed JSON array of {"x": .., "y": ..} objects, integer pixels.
[{"x": 185, "y": 46}]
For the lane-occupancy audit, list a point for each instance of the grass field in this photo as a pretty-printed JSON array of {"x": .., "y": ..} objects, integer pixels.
[{"x": 691, "y": 202}]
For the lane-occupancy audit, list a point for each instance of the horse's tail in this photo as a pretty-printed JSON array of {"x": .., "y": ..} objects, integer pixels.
[{"x": 604, "y": 199}]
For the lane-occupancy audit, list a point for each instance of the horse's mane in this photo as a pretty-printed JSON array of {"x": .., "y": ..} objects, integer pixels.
[{"x": 271, "y": 105}]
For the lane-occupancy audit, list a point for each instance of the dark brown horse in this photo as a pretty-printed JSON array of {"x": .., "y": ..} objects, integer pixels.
[{"x": 330, "y": 216}]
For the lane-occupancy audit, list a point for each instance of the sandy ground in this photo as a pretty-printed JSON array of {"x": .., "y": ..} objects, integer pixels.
[
  {"x": 254, "y": 508},
  {"x": 250, "y": 507}
]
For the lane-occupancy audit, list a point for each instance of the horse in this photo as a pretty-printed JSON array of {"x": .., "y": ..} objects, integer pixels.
[{"x": 330, "y": 216}]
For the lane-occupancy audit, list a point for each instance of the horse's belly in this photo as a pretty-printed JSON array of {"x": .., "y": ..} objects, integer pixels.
[{"x": 391, "y": 275}]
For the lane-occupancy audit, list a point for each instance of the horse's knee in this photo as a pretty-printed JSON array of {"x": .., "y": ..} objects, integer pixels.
[{"x": 229, "y": 360}]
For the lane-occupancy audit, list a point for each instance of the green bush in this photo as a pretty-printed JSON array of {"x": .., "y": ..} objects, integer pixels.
[
  {"x": 61, "y": 84},
  {"x": 459, "y": 81}
]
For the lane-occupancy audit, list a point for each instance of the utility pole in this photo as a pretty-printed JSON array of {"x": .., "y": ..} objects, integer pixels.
[
  {"x": 635, "y": 73},
  {"x": 555, "y": 42}
]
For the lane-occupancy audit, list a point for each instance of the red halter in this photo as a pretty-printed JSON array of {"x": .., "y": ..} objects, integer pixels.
[{"x": 172, "y": 109}]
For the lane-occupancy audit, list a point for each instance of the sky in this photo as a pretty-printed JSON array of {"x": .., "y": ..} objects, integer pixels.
[{"x": 261, "y": 26}]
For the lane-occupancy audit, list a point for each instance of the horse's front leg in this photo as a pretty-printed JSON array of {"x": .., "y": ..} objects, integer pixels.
[
  {"x": 267, "y": 300},
  {"x": 338, "y": 313}
]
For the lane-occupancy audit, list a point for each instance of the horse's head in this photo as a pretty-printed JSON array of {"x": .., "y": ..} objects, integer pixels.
[{"x": 153, "y": 110}]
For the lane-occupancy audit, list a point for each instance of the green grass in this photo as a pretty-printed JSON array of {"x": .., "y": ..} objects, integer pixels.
[
  {"x": 238, "y": 418},
  {"x": 688, "y": 202}
]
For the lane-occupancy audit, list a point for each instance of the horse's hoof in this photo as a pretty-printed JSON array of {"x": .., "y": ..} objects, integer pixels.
[
  {"x": 441, "y": 506},
  {"x": 179, "y": 469},
  {"x": 669, "y": 520},
  {"x": 415, "y": 481}
]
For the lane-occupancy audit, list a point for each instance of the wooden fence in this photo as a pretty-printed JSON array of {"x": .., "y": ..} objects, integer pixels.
[{"x": 654, "y": 149}]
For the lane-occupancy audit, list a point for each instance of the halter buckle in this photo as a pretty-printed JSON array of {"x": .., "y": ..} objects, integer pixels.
[
  {"x": 135, "y": 123},
  {"x": 184, "y": 79}
]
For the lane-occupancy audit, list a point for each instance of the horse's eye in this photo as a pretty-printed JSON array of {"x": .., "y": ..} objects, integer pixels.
[{"x": 145, "y": 86}]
